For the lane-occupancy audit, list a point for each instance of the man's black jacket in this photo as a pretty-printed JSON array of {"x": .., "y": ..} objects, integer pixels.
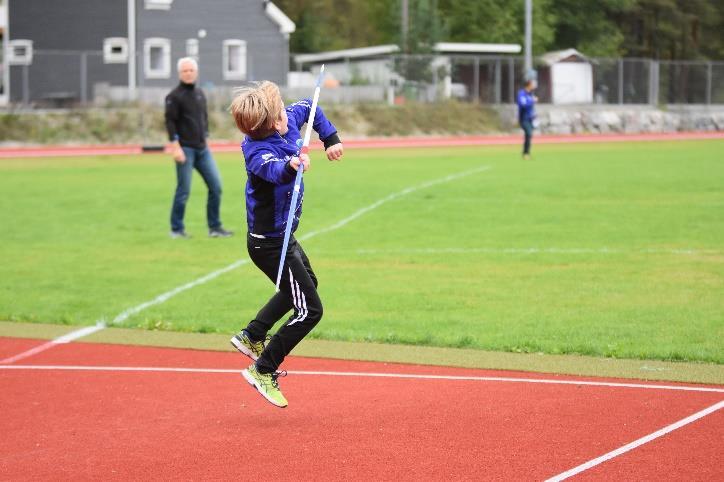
[{"x": 186, "y": 118}]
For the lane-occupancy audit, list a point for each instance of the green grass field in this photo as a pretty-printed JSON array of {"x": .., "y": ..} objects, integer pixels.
[{"x": 612, "y": 250}]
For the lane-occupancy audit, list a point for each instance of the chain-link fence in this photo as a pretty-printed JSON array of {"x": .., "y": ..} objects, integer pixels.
[
  {"x": 54, "y": 78},
  {"x": 495, "y": 80}
]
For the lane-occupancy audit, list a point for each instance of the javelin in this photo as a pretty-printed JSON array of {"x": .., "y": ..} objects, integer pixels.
[{"x": 298, "y": 181}]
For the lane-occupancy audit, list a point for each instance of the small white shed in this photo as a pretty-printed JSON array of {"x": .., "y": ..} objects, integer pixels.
[{"x": 571, "y": 77}]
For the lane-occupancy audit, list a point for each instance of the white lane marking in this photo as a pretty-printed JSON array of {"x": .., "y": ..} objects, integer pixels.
[
  {"x": 548, "y": 381},
  {"x": 636, "y": 443},
  {"x": 165, "y": 296},
  {"x": 169, "y": 294},
  {"x": 392, "y": 196},
  {"x": 684, "y": 251},
  {"x": 68, "y": 337},
  {"x": 123, "y": 316}
]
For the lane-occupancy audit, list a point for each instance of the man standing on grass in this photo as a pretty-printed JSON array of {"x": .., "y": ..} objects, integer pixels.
[
  {"x": 526, "y": 114},
  {"x": 187, "y": 124}
]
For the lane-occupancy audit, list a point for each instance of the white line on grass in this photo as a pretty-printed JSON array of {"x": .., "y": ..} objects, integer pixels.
[
  {"x": 392, "y": 196},
  {"x": 124, "y": 315},
  {"x": 636, "y": 443},
  {"x": 548, "y": 381},
  {"x": 169, "y": 294},
  {"x": 68, "y": 337}
]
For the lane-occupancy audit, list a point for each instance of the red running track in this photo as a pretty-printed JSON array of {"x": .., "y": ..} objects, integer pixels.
[
  {"x": 378, "y": 142},
  {"x": 152, "y": 425}
]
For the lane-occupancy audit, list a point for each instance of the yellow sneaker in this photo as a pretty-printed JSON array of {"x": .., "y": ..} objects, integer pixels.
[
  {"x": 245, "y": 345},
  {"x": 266, "y": 384}
]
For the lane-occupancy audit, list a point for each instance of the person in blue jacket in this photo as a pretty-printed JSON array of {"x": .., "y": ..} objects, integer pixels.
[
  {"x": 270, "y": 151},
  {"x": 526, "y": 113}
]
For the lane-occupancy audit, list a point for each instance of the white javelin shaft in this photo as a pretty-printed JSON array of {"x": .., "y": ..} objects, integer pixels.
[
  {"x": 308, "y": 132},
  {"x": 298, "y": 181}
]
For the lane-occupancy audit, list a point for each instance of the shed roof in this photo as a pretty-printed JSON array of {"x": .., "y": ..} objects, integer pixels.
[{"x": 563, "y": 55}]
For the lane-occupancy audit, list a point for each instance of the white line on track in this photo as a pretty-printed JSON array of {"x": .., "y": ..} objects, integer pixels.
[
  {"x": 683, "y": 251},
  {"x": 548, "y": 381},
  {"x": 68, "y": 337},
  {"x": 124, "y": 315},
  {"x": 636, "y": 443},
  {"x": 565, "y": 475}
]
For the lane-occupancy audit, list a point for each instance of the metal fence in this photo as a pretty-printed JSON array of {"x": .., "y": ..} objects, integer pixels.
[
  {"x": 495, "y": 80},
  {"x": 58, "y": 78}
]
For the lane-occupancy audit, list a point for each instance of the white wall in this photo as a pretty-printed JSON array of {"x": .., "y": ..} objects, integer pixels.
[{"x": 572, "y": 83}]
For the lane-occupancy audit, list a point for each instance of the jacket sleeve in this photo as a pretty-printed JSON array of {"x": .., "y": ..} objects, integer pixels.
[
  {"x": 206, "y": 117},
  {"x": 299, "y": 114},
  {"x": 171, "y": 115},
  {"x": 266, "y": 165},
  {"x": 522, "y": 100}
]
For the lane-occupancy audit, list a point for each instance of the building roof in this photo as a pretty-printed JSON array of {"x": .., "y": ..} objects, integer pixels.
[
  {"x": 347, "y": 54},
  {"x": 476, "y": 48},
  {"x": 286, "y": 26},
  {"x": 563, "y": 55},
  {"x": 382, "y": 50}
]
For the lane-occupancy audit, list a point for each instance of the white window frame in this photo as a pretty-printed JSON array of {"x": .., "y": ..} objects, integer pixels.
[
  {"x": 26, "y": 58},
  {"x": 165, "y": 45},
  {"x": 192, "y": 48},
  {"x": 112, "y": 43},
  {"x": 158, "y": 4},
  {"x": 230, "y": 74}
]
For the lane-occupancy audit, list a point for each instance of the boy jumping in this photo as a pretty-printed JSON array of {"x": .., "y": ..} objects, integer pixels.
[{"x": 270, "y": 149}]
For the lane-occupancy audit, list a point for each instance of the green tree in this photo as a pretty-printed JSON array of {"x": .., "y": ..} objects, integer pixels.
[
  {"x": 423, "y": 32},
  {"x": 497, "y": 21},
  {"x": 591, "y": 26},
  {"x": 338, "y": 24},
  {"x": 674, "y": 29},
  {"x": 665, "y": 29}
]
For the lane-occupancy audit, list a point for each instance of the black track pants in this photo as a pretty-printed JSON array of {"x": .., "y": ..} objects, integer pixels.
[
  {"x": 527, "y": 127},
  {"x": 297, "y": 291}
]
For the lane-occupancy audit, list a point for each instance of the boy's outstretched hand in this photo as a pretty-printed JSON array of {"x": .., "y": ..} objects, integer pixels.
[
  {"x": 334, "y": 153},
  {"x": 302, "y": 159}
]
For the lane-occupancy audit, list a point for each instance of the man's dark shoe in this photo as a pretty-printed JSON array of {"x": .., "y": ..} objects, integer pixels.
[
  {"x": 220, "y": 233},
  {"x": 180, "y": 234}
]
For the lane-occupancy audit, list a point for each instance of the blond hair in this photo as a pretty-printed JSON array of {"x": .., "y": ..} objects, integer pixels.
[{"x": 256, "y": 108}]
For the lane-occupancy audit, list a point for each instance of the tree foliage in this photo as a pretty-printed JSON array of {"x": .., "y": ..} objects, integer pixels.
[
  {"x": 666, "y": 29},
  {"x": 675, "y": 29}
]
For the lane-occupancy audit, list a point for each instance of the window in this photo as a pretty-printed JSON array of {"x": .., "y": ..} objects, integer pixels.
[
  {"x": 234, "y": 58},
  {"x": 21, "y": 52},
  {"x": 157, "y": 58},
  {"x": 192, "y": 48},
  {"x": 158, "y": 4},
  {"x": 115, "y": 50}
]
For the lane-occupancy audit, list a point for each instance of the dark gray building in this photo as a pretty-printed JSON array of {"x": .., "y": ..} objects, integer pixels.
[{"x": 75, "y": 50}]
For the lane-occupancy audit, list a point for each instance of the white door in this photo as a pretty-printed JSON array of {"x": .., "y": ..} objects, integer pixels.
[{"x": 572, "y": 83}]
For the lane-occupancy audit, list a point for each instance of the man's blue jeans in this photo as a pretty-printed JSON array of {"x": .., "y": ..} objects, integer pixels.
[{"x": 201, "y": 160}]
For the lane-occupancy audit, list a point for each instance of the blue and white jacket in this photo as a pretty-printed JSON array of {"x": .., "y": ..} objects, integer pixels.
[
  {"x": 270, "y": 177},
  {"x": 526, "y": 106}
]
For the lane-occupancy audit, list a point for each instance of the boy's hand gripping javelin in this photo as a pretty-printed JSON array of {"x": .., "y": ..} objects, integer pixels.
[{"x": 298, "y": 180}]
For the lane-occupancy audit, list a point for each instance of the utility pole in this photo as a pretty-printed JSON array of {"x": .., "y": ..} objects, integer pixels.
[
  {"x": 404, "y": 20},
  {"x": 529, "y": 73}
]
